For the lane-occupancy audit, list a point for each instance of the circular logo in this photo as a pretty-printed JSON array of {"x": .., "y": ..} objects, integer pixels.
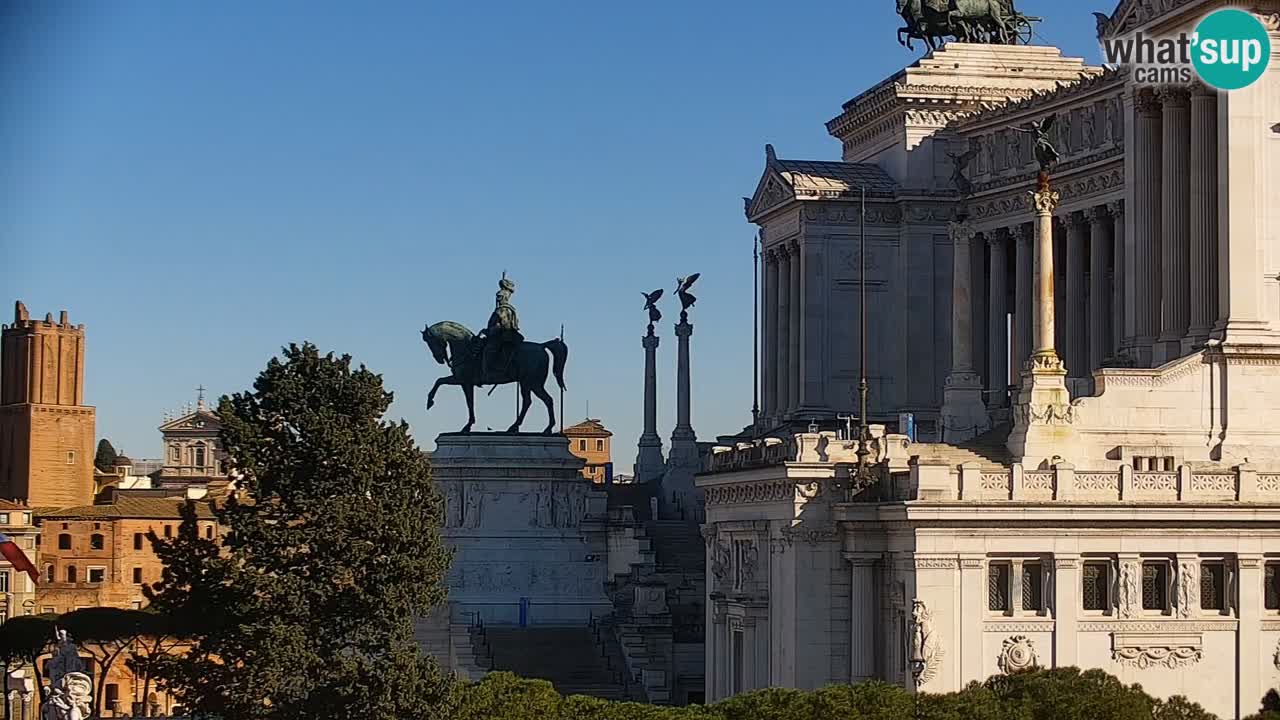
[{"x": 1231, "y": 49}]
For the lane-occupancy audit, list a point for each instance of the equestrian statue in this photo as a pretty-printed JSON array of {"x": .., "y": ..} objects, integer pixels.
[{"x": 497, "y": 356}]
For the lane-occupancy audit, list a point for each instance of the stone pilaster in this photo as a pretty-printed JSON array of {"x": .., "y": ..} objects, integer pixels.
[
  {"x": 963, "y": 413},
  {"x": 862, "y": 616},
  {"x": 649, "y": 462},
  {"x": 997, "y": 319},
  {"x": 1100, "y": 297},
  {"x": 1076, "y": 352},
  {"x": 1175, "y": 223},
  {"x": 797, "y": 329},
  {"x": 1146, "y": 222},
  {"x": 1043, "y": 416},
  {"x": 783, "y": 382},
  {"x": 1024, "y": 304},
  {"x": 769, "y": 362},
  {"x": 1118, "y": 311},
  {"x": 1203, "y": 216}
]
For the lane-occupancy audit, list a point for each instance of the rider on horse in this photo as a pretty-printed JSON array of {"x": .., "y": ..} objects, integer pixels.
[{"x": 502, "y": 335}]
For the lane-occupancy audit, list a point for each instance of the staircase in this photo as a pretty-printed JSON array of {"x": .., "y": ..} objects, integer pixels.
[
  {"x": 678, "y": 547},
  {"x": 565, "y": 656},
  {"x": 987, "y": 449}
]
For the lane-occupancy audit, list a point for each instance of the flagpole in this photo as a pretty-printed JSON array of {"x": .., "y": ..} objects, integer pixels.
[{"x": 561, "y": 387}]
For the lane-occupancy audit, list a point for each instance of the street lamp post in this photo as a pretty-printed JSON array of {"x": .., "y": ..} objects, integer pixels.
[
  {"x": 863, "y": 475},
  {"x": 917, "y": 669}
]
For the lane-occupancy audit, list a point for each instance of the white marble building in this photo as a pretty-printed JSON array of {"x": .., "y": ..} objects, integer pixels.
[{"x": 1109, "y": 491}]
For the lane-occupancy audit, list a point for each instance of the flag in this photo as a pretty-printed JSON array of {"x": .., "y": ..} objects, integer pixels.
[{"x": 18, "y": 559}]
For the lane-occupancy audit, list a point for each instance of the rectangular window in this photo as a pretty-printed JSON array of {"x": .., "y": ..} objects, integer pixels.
[
  {"x": 168, "y": 531},
  {"x": 71, "y": 457},
  {"x": 1155, "y": 585},
  {"x": 1213, "y": 586},
  {"x": 137, "y": 576},
  {"x": 97, "y": 574},
  {"x": 1032, "y": 586},
  {"x": 4, "y": 518},
  {"x": 113, "y": 697},
  {"x": 1095, "y": 586},
  {"x": 582, "y": 445},
  {"x": 48, "y": 610},
  {"x": 137, "y": 541},
  {"x": 4, "y": 581},
  {"x": 998, "y": 587},
  {"x": 599, "y": 446},
  {"x": 1271, "y": 586}
]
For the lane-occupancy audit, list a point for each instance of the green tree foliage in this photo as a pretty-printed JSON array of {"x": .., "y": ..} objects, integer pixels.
[
  {"x": 106, "y": 633},
  {"x": 105, "y": 458},
  {"x": 306, "y": 609},
  {"x": 1061, "y": 694}
]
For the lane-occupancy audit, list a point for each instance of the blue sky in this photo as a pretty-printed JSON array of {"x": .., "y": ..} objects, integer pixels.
[{"x": 202, "y": 183}]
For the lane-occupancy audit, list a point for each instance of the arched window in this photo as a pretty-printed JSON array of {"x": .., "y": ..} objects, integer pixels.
[
  {"x": 71, "y": 573},
  {"x": 64, "y": 541},
  {"x": 96, "y": 542},
  {"x": 197, "y": 455}
]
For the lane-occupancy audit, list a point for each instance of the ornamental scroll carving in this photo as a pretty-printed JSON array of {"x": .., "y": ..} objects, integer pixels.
[
  {"x": 1054, "y": 414},
  {"x": 1017, "y": 653},
  {"x": 1157, "y": 656}
]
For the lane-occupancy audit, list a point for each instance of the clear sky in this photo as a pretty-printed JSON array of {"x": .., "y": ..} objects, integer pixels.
[{"x": 202, "y": 183}]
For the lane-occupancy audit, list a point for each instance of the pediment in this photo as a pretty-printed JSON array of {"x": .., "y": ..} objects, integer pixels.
[
  {"x": 203, "y": 421},
  {"x": 772, "y": 190}
]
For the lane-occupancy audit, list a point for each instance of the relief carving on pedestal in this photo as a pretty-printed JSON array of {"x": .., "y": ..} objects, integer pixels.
[
  {"x": 1145, "y": 657},
  {"x": 1130, "y": 593}
]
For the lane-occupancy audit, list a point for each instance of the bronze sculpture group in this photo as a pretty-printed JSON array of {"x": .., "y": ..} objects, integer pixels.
[
  {"x": 499, "y": 355},
  {"x": 975, "y": 21}
]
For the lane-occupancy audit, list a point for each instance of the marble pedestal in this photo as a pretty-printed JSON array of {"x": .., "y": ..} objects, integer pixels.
[{"x": 527, "y": 529}]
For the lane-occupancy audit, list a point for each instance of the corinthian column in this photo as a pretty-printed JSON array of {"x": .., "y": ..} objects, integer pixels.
[
  {"x": 770, "y": 344},
  {"x": 1116, "y": 209},
  {"x": 1203, "y": 216},
  {"x": 1147, "y": 216},
  {"x": 1175, "y": 222},
  {"x": 1024, "y": 304},
  {"x": 1100, "y": 309},
  {"x": 1045, "y": 201},
  {"x": 649, "y": 462},
  {"x": 963, "y": 413},
  {"x": 1077, "y": 348},
  {"x": 793, "y": 355},
  {"x": 784, "y": 332},
  {"x": 998, "y": 319}
]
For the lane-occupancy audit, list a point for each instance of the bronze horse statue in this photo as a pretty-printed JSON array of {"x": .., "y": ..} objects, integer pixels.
[{"x": 456, "y": 347}]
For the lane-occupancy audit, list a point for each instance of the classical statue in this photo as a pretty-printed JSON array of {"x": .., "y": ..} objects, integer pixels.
[
  {"x": 497, "y": 356},
  {"x": 682, "y": 291},
  {"x": 925, "y": 647},
  {"x": 960, "y": 163},
  {"x": 651, "y": 304},
  {"x": 69, "y": 698},
  {"x": 66, "y": 659},
  {"x": 1046, "y": 154}
]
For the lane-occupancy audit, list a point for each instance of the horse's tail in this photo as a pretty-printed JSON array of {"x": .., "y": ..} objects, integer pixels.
[{"x": 559, "y": 356}]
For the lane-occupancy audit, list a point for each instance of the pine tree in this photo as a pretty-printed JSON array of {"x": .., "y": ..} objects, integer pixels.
[
  {"x": 304, "y": 607},
  {"x": 105, "y": 458}
]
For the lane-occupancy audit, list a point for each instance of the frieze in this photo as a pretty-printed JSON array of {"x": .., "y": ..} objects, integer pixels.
[
  {"x": 811, "y": 533},
  {"x": 1002, "y": 626},
  {"x": 1124, "y": 377},
  {"x": 1160, "y": 626},
  {"x": 843, "y": 212},
  {"x": 756, "y": 492},
  {"x": 1051, "y": 414},
  {"x": 1168, "y": 656},
  {"x": 935, "y": 563}
]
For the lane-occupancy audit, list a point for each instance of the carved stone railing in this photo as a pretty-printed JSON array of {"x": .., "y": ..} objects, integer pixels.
[{"x": 1063, "y": 483}]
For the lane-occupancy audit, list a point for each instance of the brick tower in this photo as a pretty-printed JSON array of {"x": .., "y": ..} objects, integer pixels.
[{"x": 46, "y": 431}]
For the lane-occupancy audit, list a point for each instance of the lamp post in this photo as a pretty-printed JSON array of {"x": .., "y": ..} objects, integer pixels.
[
  {"x": 917, "y": 669},
  {"x": 863, "y": 476}
]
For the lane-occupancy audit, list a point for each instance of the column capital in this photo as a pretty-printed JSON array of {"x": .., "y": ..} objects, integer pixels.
[
  {"x": 1174, "y": 97},
  {"x": 1076, "y": 220},
  {"x": 996, "y": 238},
  {"x": 770, "y": 256},
  {"x": 650, "y": 342},
  {"x": 1045, "y": 201},
  {"x": 1116, "y": 208},
  {"x": 1095, "y": 215},
  {"x": 961, "y": 231},
  {"x": 1024, "y": 232},
  {"x": 1146, "y": 102}
]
